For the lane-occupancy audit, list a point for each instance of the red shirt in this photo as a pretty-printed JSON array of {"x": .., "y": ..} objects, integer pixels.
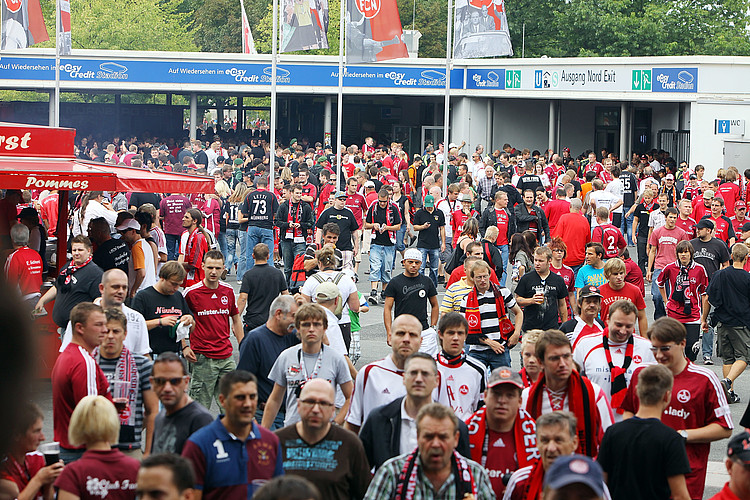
[
  {"x": 21, "y": 474},
  {"x": 554, "y": 209},
  {"x": 100, "y": 474},
  {"x": 74, "y": 376},
  {"x": 458, "y": 219},
  {"x": 629, "y": 292},
  {"x": 212, "y": 310},
  {"x": 594, "y": 167},
  {"x": 731, "y": 193},
  {"x": 575, "y": 231},
  {"x": 634, "y": 275},
  {"x": 356, "y": 203},
  {"x": 195, "y": 248},
  {"x": 49, "y": 213},
  {"x": 325, "y": 195},
  {"x": 501, "y": 458},
  {"x": 24, "y": 268},
  {"x": 721, "y": 228},
  {"x": 502, "y": 226},
  {"x": 725, "y": 494},
  {"x": 611, "y": 239},
  {"x": 697, "y": 400},
  {"x": 737, "y": 224},
  {"x": 687, "y": 225},
  {"x": 460, "y": 272},
  {"x": 699, "y": 208},
  {"x": 309, "y": 189},
  {"x": 570, "y": 283},
  {"x": 698, "y": 282},
  {"x": 606, "y": 176}
]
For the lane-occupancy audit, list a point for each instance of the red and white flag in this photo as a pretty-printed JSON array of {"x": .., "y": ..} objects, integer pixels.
[
  {"x": 22, "y": 24},
  {"x": 248, "y": 45},
  {"x": 373, "y": 31},
  {"x": 64, "y": 40}
]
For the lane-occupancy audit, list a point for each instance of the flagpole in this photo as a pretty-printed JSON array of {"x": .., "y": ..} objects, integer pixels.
[
  {"x": 340, "y": 103},
  {"x": 447, "y": 97},
  {"x": 56, "y": 122},
  {"x": 242, "y": 22},
  {"x": 272, "y": 152}
]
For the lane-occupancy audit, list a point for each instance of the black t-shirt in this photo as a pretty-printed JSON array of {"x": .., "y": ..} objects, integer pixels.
[
  {"x": 346, "y": 222},
  {"x": 411, "y": 296},
  {"x": 152, "y": 305},
  {"x": 639, "y": 455},
  {"x": 172, "y": 431},
  {"x": 257, "y": 152},
  {"x": 729, "y": 293},
  {"x": 541, "y": 316},
  {"x": 258, "y": 352},
  {"x": 429, "y": 238},
  {"x": 112, "y": 254},
  {"x": 83, "y": 287},
  {"x": 629, "y": 189},
  {"x": 529, "y": 181},
  {"x": 260, "y": 206},
  {"x": 201, "y": 158},
  {"x": 233, "y": 210},
  {"x": 376, "y": 214},
  {"x": 710, "y": 254},
  {"x": 643, "y": 214},
  {"x": 138, "y": 199},
  {"x": 262, "y": 284}
]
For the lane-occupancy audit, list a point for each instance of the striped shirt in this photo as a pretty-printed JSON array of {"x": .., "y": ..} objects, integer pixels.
[
  {"x": 454, "y": 294},
  {"x": 489, "y": 314}
]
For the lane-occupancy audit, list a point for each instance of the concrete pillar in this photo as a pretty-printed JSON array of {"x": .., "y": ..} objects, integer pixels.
[
  {"x": 193, "y": 114},
  {"x": 327, "y": 114},
  {"x": 219, "y": 113},
  {"x": 551, "y": 126},
  {"x": 52, "y": 108},
  {"x": 240, "y": 114},
  {"x": 624, "y": 127},
  {"x": 169, "y": 98},
  {"x": 488, "y": 135},
  {"x": 117, "y": 113}
]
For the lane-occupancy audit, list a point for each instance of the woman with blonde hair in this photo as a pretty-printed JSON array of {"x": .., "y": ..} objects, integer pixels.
[
  {"x": 101, "y": 470},
  {"x": 232, "y": 219}
]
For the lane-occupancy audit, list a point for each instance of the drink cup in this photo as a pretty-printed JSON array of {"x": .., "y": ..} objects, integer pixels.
[
  {"x": 51, "y": 452},
  {"x": 120, "y": 390}
]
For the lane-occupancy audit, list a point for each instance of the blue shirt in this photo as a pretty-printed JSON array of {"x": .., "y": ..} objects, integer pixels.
[
  {"x": 588, "y": 275},
  {"x": 225, "y": 466},
  {"x": 258, "y": 352}
]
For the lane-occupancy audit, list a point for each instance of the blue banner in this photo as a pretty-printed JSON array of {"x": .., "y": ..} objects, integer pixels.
[
  {"x": 674, "y": 80},
  {"x": 485, "y": 79}
]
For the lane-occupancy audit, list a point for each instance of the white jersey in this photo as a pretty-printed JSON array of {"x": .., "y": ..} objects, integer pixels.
[
  {"x": 462, "y": 384},
  {"x": 602, "y": 404},
  {"x": 601, "y": 198},
  {"x": 137, "y": 338},
  {"x": 520, "y": 477},
  {"x": 590, "y": 356},
  {"x": 448, "y": 207},
  {"x": 615, "y": 187},
  {"x": 377, "y": 384}
]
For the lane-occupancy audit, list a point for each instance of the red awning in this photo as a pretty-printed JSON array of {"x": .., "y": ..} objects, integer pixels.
[{"x": 78, "y": 175}]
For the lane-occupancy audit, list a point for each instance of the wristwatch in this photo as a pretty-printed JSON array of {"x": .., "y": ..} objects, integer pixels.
[{"x": 683, "y": 433}]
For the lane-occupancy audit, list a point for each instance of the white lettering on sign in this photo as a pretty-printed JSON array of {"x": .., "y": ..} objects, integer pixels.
[
  {"x": 11, "y": 142},
  {"x": 32, "y": 181}
]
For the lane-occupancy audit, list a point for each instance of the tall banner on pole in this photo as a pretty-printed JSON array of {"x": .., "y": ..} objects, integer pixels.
[
  {"x": 248, "y": 44},
  {"x": 373, "y": 31},
  {"x": 22, "y": 24},
  {"x": 481, "y": 29},
  {"x": 304, "y": 25},
  {"x": 63, "y": 31}
]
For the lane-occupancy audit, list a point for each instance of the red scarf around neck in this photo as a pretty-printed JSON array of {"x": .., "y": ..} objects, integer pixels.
[
  {"x": 581, "y": 402},
  {"x": 294, "y": 234},
  {"x": 524, "y": 434},
  {"x": 619, "y": 385},
  {"x": 535, "y": 483},
  {"x": 475, "y": 319}
]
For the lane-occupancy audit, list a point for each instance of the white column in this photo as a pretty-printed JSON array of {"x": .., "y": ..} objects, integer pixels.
[
  {"x": 551, "y": 129},
  {"x": 488, "y": 138},
  {"x": 327, "y": 113},
  {"x": 624, "y": 127},
  {"x": 52, "y": 109},
  {"x": 193, "y": 114}
]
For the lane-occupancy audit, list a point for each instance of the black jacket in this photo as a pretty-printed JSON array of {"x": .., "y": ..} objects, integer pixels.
[
  {"x": 489, "y": 218},
  {"x": 523, "y": 218},
  {"x": 282, "y": 218},
  {"x": 514, "y": 197},
  {"x": 381, "y": 434}
]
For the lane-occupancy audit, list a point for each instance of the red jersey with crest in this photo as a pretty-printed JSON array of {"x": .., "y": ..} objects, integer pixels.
[
  {"x": 212, "y": 309},
  {"x": 458, "y": 219},
  {"x": 697, "y": 400},
  {"x": 611, "y": 239},
  {"x": 24, "y": 268},
  {"x": 687, "y": 225}
]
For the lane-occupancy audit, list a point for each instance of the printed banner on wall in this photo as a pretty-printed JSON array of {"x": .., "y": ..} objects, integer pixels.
[
  {"x": 373, "y": 31},
  {"x": 481, "y": 29},
  {"x": 63, "y": 30},
  {"x": 304, "y": 25},
  {"x": 22, "y": 24}
]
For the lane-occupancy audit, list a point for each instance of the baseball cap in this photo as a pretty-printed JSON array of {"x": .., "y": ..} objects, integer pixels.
[
  {"x": 370, "y": 184},
  {"x": 704, "y": 224},
  {"x": 238, "y": 161},
  {"x": 740, "y": 204},
  {"x": 340, "y": 194},
  {"x": 28, "y": 213},
  {"x": 220, "y": 159},
  {"x": 452, "y": 145},
  {"x": 566, "y": 149},
  {"x": 504, "y": 375},
  {"x": 589, "y": 291},
  {"x": 693, "y": 177},
  {"x": 129, "y": 224},
  {"x": 708, "y": 194},
  {"x": 464, "y": 197},
  {"x": 738, "y": 447},
  {"x": 327, "y": 291},
  {"x": 745, "y": 227},
  {"x": 413, "y": 254},
  {"x": 575, "y": 469},
  {"x": 669, "y": 177},
  {"x": 429, "y": 201}
]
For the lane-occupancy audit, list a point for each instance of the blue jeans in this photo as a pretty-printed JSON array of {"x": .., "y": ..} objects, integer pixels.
[
  {"x": 381, "y": 259},
  {"x": 504, "y": 253},
  {"x": 659, "y": 310},
  {"x": 626, "y": 225},
  {"x": 289, "y": 250},
  {"x": 173, "y": 246},
  {"x": 257, "y": 235},
  {"x": 221, "y": 238},
  {"x": 232, "y": 237},
  {"x": 242, "y": 265},
  {"x": 400, "y": 234},
  {"x": 434, "y": 256},
  {"x": 490, "y": 359},
  {"x": 708, "y": 340}
]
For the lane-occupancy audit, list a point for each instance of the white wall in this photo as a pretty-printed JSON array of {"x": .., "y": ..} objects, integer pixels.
[
  {"x": 706, "y": 147},
  {"x": 521, "y": 123},
  {"x": 469, "y": 122}
]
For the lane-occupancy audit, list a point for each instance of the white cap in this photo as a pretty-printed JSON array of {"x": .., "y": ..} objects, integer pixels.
[
  {"x": 413, "y": 254},
  {"x": 129, "y": 224}
]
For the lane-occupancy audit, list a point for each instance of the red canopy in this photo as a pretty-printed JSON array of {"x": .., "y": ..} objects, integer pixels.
[{"x": 79, "y": 175}]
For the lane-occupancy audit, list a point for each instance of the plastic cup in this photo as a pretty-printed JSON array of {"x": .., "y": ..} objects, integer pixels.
[
  {"x": 51, "y": 452},
  {"x": 120, "y": 392}
]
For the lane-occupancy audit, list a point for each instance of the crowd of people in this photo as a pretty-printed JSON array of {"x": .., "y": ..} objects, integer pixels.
[{"x": 522, "y": 248}]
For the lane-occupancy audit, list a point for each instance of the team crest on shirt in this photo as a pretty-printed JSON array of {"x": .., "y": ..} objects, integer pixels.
[
  {"x": 464, "y": 389},
  {"x": 637, "y": 359},
  {"x": 683, "y": 396},
  {"x": 264, "y": 453},
  {"x": 473, "y": 321},
  {"x": 224, "y": 300}
]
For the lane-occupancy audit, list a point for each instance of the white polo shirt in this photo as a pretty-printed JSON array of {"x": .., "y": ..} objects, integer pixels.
[{"x": 377, "y": 384}]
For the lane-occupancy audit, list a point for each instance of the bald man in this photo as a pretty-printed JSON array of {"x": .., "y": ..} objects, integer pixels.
[
  {"x": 382, "y": 381},
  {"x": 114, "y": 290}
]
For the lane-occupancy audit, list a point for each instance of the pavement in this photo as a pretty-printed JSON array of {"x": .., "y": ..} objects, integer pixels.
[{"x": 374, "y": 347}]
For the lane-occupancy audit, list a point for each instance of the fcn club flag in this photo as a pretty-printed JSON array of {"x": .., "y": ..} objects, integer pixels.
[
  {"x": 22, "y": 24},
  {"x": 481, "y": 29},
  {"x": 304, "y": 25},
  {"x": 373, "y": 31},
  {"x": 63, "y": 30}
]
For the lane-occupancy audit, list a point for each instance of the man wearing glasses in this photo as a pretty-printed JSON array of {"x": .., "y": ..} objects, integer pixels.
[
  {"x": 180, "y": 416},
  {"x": 698, "y": 410},
  {"x": 330, "y": 457},
  {"x": 301, "y": 363}
]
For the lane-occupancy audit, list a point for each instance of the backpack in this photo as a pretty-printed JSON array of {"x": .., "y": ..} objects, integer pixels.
[
  {"x": 335, "y": 279},
  {"x": 213, "y": 243}
]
